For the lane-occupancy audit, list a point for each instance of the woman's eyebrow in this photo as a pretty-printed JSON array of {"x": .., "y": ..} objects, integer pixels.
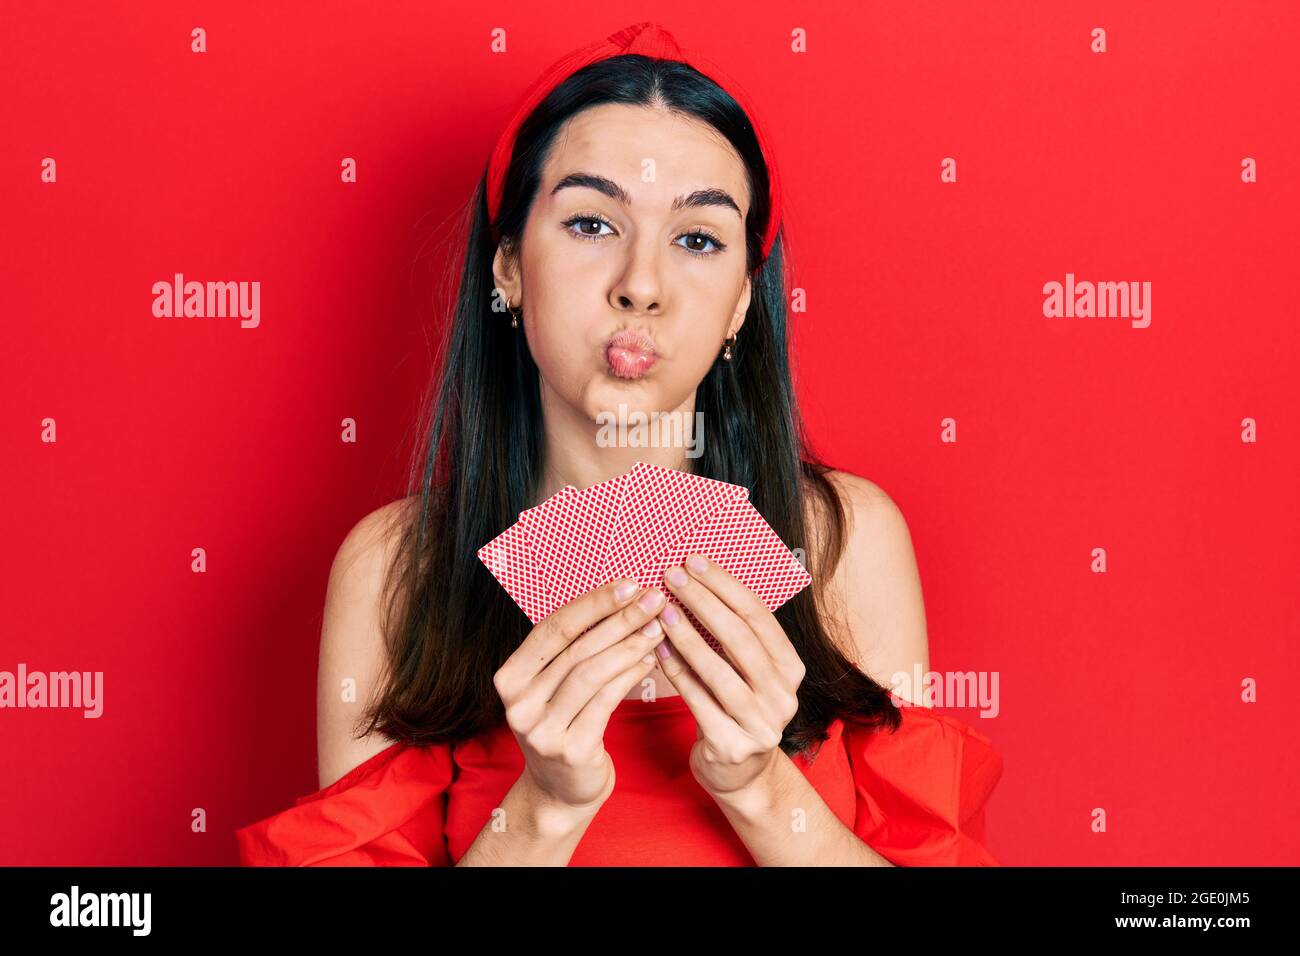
[{"x": 701, "y": 197}]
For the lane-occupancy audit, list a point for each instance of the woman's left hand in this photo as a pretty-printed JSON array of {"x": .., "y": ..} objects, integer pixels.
[{"x": 741, "y": 707}]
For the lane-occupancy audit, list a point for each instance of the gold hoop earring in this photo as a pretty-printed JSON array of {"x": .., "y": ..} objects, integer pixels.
[
  {"x": 514, "y": 316},
  {"x": 726, "y": 354}
]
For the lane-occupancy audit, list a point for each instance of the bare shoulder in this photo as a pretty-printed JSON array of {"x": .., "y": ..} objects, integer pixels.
[
  {"x": 352, "y": 642},
  {"x": 877, "y": 583},
  {"x": 858, "y": 491},
  {"x": 371, "y": 539}
]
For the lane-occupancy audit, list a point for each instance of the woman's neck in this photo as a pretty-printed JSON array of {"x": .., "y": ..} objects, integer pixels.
[{"x": 581, "y": 453}]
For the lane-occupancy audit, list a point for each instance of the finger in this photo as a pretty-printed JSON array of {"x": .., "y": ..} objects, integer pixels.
[
  {"x": 560, "y": 628},
  {"x": 742, "y": 644},
  {"x": 604, "y": 635},
  {"x": 585, "y": 680},
  {"x": 593, "y": 719},
  {"x": 735, "y": 699},
  {"x": 746, "y": 604},
  {"x": 712, "y": 717}
]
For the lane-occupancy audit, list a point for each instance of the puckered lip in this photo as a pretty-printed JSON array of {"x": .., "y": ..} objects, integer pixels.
[{"x": 632, "y": 340}]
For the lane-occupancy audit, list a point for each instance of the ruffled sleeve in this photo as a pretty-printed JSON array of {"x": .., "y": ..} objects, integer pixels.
[
  {"x": 388, "y": 811},
  {"x": 922, "y": 789}
]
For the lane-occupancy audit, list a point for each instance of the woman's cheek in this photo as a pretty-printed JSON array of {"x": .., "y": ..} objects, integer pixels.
[
  {"x": 698, "y": 359},
  {"x": 563, "y": 366}
]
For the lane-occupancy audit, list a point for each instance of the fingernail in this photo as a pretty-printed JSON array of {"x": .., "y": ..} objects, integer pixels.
[
  {"x": 696, "y": 563},
  {"x": 625, "y": 591},
  {"x": 648, "y": 659},
  {"x": 652, "y": 629},
  {"x": 670, "y": 615},
  {"x": 651, "y": 600},
  {"x": 675, "y": 576},
  {"x": 664, "y": 651}
]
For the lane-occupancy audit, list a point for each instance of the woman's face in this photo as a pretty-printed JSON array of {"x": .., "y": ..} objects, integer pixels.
[{"x": 633, "y": 265}]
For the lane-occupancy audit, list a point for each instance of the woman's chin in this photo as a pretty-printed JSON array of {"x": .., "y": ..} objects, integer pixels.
[
  {"x": 610, "y": 390},
  {"x": 614, "y": 397}
]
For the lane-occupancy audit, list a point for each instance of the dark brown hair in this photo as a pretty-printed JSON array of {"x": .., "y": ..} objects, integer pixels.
[{"x": 449, "y": 626}]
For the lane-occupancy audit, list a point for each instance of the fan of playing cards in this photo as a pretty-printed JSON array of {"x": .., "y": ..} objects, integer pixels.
[{"x": 636, "y": 526}]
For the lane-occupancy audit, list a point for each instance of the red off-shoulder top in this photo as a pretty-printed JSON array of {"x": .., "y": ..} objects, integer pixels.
[{"x": 917, "y": 796}]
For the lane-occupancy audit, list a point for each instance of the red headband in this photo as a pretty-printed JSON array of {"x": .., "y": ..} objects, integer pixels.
[{"x": 647, "y": 39}]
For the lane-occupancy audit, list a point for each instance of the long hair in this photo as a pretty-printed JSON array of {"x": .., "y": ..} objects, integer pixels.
[{"x": 449, "y": 626}]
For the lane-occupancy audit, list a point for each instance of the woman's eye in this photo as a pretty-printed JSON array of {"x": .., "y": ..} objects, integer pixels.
[
  {"x": 590, "y": 227},
  {"x": 694, "y": 240},
  {"x": 584, "y": 224}
]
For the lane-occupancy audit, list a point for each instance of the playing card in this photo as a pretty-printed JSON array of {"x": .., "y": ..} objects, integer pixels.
[
  {"x": 637, "y": 525},
  {"x": 570, "y": 533},
  {"x": 739, "y": 540},
  {"x": 543, "y": 529},
  {"x": 658, "y": 508},
  {"x": 511, "y": 561}
]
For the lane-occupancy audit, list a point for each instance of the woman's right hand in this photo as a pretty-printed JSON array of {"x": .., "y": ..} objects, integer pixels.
[{"x": 561, "y": 686}]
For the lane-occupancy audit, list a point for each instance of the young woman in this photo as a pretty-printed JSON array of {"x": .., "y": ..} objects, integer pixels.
[{"x": 625, "y": 249}]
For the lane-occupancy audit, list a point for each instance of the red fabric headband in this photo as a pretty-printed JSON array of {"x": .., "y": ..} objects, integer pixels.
[{"x": 647, "y": 39}]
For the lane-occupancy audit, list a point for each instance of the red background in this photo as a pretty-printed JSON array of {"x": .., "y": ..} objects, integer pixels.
[{"x": 1118, "y": 690}]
